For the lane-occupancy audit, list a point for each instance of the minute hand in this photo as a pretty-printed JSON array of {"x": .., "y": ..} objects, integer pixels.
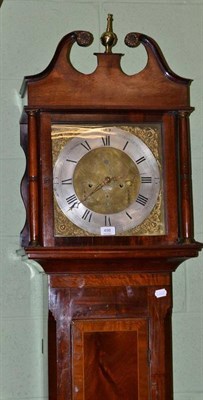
[{"x": 98, "y": 187}]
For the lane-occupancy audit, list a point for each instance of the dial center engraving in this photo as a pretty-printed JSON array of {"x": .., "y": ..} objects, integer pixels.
[{"x": 106, "y": 180}]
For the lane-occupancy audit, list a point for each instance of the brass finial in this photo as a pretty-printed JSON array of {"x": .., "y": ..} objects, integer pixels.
[{"x": 109, "y": 38}]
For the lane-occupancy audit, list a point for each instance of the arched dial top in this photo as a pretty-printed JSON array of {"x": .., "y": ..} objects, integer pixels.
[{"x": 106, "y": 181}]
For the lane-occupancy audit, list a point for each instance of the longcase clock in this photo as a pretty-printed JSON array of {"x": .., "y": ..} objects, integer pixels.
[{"x": 108, "y": 198}]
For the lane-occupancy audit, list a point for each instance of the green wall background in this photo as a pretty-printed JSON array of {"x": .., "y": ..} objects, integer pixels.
[{"x": 30, "y": 32}]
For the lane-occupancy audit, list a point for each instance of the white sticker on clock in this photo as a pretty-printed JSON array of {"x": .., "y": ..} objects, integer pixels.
[
  {"x": 107, "y": 230},
  {"x": 160, "y": 293}
]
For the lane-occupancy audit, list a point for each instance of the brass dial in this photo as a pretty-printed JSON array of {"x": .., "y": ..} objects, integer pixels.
[
  {"x": 111, "y": 185},
  {"x": 106, "y": 178}
]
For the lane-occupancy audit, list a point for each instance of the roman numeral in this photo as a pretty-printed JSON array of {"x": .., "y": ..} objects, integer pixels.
[
  {"x": 72, "y": 199},
  {"x": 107, "y": 221},
  {"x": 86, "y": 145},
  {"x": 146, "y": 179},
  {"x": 140, "y": 160},
  {"x": 125, "y": 145},
  {"x": 142, "y": 200},
  {"x": 67, "y": 181},
  {"x": 106, "y": 140},
  {"x": 87, "y": 215},
  {"x": 128, "y": 215},
  {"x": 73, "y": 161}
]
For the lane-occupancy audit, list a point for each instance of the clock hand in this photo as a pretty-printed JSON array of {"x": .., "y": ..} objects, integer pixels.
[
  {"x": 98, "y": 187},
  {"x": 106, "y": 181}
]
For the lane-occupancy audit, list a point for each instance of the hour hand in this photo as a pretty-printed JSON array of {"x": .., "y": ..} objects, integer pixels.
[{"x": 98, "y": 187}]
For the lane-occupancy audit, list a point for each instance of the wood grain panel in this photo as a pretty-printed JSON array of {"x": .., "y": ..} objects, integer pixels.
[
  {"x": 110, "y": 360},
  {"x": 110, "y": 279}
]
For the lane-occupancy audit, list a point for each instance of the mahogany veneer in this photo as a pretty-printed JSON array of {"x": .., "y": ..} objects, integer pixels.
[{"x": 109, "y": 298}]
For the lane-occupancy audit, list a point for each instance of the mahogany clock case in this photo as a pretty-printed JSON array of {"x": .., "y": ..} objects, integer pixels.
[
  {"x": 63, "y": 95},
  {"x": 110, "y": 298}
]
